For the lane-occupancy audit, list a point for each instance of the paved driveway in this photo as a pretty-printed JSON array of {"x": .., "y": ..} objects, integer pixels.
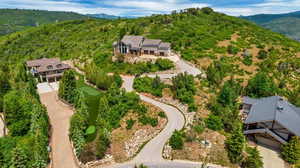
[
  {"x": 59, "y": 115},
  {"x": 271, "y": 158},
  {"x": 46, "y": 87}
]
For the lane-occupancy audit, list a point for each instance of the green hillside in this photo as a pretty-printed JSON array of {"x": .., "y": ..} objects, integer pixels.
[
  {"x": 238, "y": 57},
  {"x": 201, "y": 36},
  {"x": 287, "y": 24},
  {"x": 12, "y": 20}
]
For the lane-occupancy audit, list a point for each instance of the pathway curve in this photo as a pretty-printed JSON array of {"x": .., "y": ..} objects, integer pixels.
[
  {"x": 151, "y": 153},
  {"x": 59, "y": 114}
]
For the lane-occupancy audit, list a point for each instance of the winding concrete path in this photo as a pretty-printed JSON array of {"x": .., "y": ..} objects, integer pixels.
[{"x": 151, "y": 153}]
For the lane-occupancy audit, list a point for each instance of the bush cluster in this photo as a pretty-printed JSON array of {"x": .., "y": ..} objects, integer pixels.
[
  {"x": 184, "y": 89},
  {"x": 149, "y": 85}
]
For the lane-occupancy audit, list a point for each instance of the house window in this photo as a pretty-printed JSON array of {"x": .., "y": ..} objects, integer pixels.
[
  {"x": 162, "y": 54},
  {"x": 49, "y": 67},
  {"x": 146, "y": 52},
  {"x": 58, "y": 66},
  {"x": 152, "y": 52}
]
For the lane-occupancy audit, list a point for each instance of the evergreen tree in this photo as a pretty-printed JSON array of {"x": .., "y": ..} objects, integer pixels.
[
  {"x": 235, "y": 145},
  {"x": 261, "y": 85},
  {"x": 103, "y": 107},
  {"x": 291, "y": 150},
  {"x": 67, "y": 87},
  {"x": 176, "y": 140}
]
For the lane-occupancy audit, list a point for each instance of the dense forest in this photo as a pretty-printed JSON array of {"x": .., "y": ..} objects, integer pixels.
[
  {"x": 13, "y": 20},
  {"x": 239, "y": 58},
  {"x": 26, "y": 144}
]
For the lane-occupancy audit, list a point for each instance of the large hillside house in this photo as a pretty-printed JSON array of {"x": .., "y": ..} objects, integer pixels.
[
  {"x": 47, "y": 69},
  {"x": 271, "y": 121},
  {"x": 138, "y": 45}
]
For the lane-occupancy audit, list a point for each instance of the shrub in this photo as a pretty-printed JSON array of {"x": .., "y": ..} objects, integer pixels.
[
  {"x": 162, "y": 114},
  {"x": 199, "y": 128},
  {"x": 262, "y": 54},
  {"x": 291, "y": 150},
  {"x": 176, "y": 140},
  {"x": 214, "y": 123},
  {"x": 248, "y": 60},
  {"x": 164, "y": 64},
  {"x": 253, "y": 159},
  {"x": 148, "y": 120},
  {"x": 184, "y": 89},
  {"x": 232, "y": 50},
  {"x": 149, "y": 85},
  {"x": 129, "y": 123}
]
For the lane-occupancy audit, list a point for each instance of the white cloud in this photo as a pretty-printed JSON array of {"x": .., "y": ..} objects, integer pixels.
[
  {"x": 154, "y": 5},
  {"x": 148, "y": 7}
]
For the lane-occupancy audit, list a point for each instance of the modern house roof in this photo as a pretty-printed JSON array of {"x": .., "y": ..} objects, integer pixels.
[
  {"x": 133, "y": 41},
  {"x": 151, "y": 43},
  {"x": 138, "y": 42},
  {"x": 39, "y": 62},
  {"x": 47, "y": 64},
  {"x": 164, "y": 46},
  {"x": 274, "y": 108}
]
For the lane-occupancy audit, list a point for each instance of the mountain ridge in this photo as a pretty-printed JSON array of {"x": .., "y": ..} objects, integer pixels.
[
  {"x": 287, "y": 23},
  {"x": 12, "y": 20}
]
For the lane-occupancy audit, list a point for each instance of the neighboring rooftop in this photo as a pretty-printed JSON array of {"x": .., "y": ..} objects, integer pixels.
[
  {"x": 274, "y": 108},
  {"x": 134, "y": 41}
]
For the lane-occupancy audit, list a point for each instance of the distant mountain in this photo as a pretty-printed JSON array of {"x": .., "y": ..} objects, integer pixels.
[
  {"x": 287, "y": 24},
  {"x": 103, "y": 16},
  {"x": 12, "y": 20}
]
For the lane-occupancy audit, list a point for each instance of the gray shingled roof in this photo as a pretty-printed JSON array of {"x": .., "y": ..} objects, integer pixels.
[
  {"x": 134, "y": 41},
  {"x": 39, "y": 62},
  {"x": 274, "y": 108},
  {"x": 151, "y": 43},
  {"x": 164, "y": 46}
]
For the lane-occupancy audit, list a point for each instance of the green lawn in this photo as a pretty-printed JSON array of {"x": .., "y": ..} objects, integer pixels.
[{"x": 92, "y": 98}]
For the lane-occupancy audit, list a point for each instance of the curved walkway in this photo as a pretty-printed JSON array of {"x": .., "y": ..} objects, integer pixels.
[
  {"x": 59, "y": 114},
  {"x": 151, "y": 153}
]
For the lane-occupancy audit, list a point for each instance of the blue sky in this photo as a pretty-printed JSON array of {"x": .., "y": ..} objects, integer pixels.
[{"x": 148, "y": 7}]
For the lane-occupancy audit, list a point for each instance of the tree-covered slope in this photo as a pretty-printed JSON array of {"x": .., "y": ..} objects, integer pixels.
[
  {"x": 287, "y": 24},
  {"x": 12, "y": 20},
  {"x": 197, "y": 34}
]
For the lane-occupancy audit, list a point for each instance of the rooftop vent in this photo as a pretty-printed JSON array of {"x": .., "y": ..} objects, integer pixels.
[{"x": 280, "y": 108}]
